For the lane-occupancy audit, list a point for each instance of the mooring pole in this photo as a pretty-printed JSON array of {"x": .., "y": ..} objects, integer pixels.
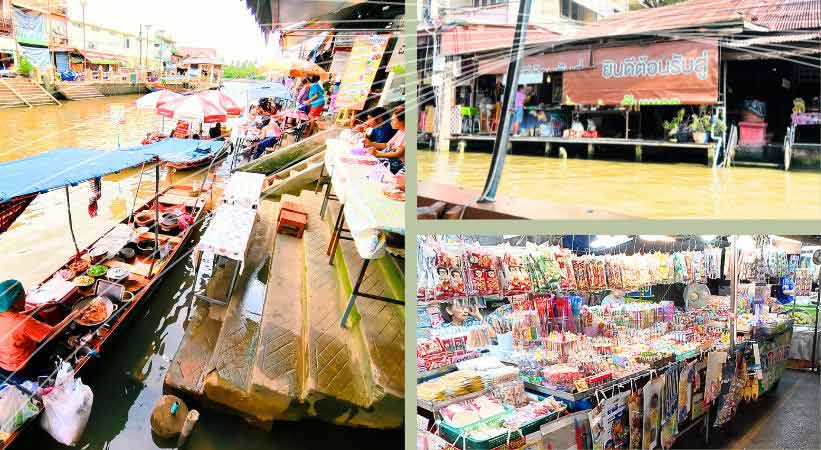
[
  {"x": 71, "y": 222},
  {"x": 157, "y": 252},
  {"x": 512, "y": 82}
]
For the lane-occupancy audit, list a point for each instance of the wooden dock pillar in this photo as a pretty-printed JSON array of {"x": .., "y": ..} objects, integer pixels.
[
  {"x": 510, "y": 148},
  {"x": 590, "y": 150},
  {"x": 461, "y": 146},
  {"x": 711, "y": 154},
  {"x": 547, "y": 148},
  {"x": 638, "y": 153}
]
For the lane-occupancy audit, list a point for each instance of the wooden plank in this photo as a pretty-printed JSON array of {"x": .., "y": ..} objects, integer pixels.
[{"x": 594, "y": 141}]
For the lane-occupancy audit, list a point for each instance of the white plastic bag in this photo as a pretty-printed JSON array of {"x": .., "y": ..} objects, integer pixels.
[
  {"x": 15, "y": 409},
  {"x": 67, "y": 407}
]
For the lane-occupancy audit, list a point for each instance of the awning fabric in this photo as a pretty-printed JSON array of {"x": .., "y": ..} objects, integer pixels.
[
  {"x": 61, "y": 167},
  {"x": 670, "y": 73},
  {"x": 178, "y": 150},
  {"x": 465, "y": 39},
  {"x": 10, "y": 211}
]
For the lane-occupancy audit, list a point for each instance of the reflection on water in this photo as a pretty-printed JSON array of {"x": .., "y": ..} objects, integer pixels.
[
  {"x": 651, "y": 190},
  {"x": 128, "y": 380}
]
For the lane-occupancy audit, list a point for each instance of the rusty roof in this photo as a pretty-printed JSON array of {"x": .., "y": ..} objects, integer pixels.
[{"x": 694, "y": 15}]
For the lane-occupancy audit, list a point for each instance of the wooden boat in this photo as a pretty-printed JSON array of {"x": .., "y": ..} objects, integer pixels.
[
  {"x": 181, "y": 88},
  {"x": 78, "y": 344}
]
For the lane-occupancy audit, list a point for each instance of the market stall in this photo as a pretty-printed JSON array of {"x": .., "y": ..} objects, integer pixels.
[
  {"x": 372, "y": 207},
  {"x": 634, "y": 338}
]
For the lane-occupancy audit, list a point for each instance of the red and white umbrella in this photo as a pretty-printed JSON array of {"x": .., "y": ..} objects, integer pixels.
[
  {"x": 193, "y": 108},
  {"x": 227, "y": 103},
  {"x": 156, "y": 99}
]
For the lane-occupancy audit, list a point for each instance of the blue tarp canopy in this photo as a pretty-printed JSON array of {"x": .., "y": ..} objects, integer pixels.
[
  {"x": 179, "y": 150},
  {"x": 61, "y": 167}
]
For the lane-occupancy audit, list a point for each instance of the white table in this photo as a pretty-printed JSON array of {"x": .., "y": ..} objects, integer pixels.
[
  {"x": 227, "y": 236},
  {"x": 359, "y": 182},
  {"x": 243, "y": 189}
]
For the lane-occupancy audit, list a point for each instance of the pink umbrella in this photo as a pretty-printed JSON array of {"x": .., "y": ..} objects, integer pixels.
[
  {"x": 157, "y": 98},
  {"x": 193, "y": 108},
  {"x": 220, "y": 98}
]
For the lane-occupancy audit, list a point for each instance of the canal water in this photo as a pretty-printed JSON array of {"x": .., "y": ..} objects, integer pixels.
[
  {"x": 128, "y": 379},
  {"x": 647, "y": 189}
]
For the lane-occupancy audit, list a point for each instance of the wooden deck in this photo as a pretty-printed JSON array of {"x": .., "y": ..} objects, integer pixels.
[{"x": 594, "y": 144}]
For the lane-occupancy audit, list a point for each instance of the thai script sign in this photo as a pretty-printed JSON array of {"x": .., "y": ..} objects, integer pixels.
[
  {"x": 360, "y": 71},
  {"x": 550, "y": 62},
  {"x": 660, "y": 74}
]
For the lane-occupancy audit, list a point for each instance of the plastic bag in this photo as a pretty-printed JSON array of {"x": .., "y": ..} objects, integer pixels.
[
  {"x": 67, "y": 407},
  {"x": 15, "y": 409}
]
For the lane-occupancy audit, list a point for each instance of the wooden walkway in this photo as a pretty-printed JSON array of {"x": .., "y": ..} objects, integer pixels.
[{"x": 277, "y": 352}]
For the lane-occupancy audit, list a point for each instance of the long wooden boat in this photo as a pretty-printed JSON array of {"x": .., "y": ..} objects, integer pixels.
[{"x": 78, "y": 344}]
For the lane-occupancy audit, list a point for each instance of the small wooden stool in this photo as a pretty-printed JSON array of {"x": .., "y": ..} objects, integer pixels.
[
  {"x": 292, "y": 204},
  {"x": 290, "y": 222}
]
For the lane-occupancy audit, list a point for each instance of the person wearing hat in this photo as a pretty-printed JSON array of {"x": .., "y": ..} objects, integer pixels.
[{"x": 21, "y": 333}]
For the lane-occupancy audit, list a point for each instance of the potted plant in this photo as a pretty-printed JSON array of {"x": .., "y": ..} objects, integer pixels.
[
  {"x": 718, "y": 129},
  {"x": 699, "y": 125},
  {"x": 673, "y": 126}
]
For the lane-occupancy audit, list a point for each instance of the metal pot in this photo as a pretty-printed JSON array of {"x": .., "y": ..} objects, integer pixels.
[{"x": 146, "y": 247}]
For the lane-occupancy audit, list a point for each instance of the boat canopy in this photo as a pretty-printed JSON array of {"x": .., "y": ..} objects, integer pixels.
[
  {"x": 179, "y": 150},
  {"x": 62, "y": 167}
]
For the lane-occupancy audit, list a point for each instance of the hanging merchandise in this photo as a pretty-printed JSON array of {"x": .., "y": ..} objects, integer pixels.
[
  {"x": 564, "y": 259},
  {"x": 449, "y": 278},
  {"x": 482, "y": 272},
  {"x": 712, "y": 257},
  {"x": 803, "y": 282},
  {"x": 669, "y": 418},
  {"x": 516, "y": 277},
  {"x": 580, "y": 271},
  {"x": 95, "y": 186},
  {"x": 715, "y": 361},
  {"x": 685, "y": 391},
  {"x": 652, "y": 393},
  {"x": 612, "y": 270},
  {"x": 609, "y": 423},
  {"x": 634, "y": 408}
]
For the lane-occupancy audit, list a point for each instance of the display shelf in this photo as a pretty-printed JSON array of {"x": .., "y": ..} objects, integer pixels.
[{"x": 433, "y": 407}]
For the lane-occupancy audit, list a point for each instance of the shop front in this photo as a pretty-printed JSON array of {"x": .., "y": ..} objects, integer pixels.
[{"x": 597, "y": 341}]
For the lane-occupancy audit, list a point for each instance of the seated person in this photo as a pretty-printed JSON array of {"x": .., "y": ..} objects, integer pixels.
[
  {"x": 270, "y": 135},
  {"x": 215, "y": 131},
  {"x": 394, "y": 150},
  {"x": 22, "y": 333},
  {"x": 378, "y": 121}
]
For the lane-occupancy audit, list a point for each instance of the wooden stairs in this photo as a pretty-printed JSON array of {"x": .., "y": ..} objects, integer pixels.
[
  {"x": 20, "y": 91},
  {"x": 276, "y": 352},
  {"x": 78, "y": 90}
]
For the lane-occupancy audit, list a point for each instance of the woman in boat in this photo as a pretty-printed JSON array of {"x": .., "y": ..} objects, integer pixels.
[
  {"x": 393, "y": 152},
  {"x": 22, "y": 333},
  {"x": 215, "y": 132},
  {"x": 305, "y": 85}
]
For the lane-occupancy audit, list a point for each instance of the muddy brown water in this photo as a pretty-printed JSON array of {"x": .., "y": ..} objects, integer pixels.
[
  {"x": 648, "y": 189},
  {"x": 128, "y": 380}
]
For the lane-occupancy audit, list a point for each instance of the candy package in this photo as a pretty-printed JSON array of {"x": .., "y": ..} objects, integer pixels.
[{"x": 516, "y": 276}]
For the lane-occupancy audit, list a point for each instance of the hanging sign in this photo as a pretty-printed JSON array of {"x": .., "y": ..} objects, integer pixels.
[
  {"x": 671, "y": 73},
  {"x": 360, "y": 71},
  {"x": 549, "y": 62}
]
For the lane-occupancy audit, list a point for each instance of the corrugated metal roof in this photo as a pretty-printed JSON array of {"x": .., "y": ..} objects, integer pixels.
[
  {"x": 776, "y": 15},
  {"x": 774, "y": 39},
  {"x": 784, "y": 15}
]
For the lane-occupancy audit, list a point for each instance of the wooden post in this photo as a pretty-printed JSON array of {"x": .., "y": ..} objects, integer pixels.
[
  {"x": 590, "y": 150},
  {"x": 187, "y": 427},
  {"x": 711, "y": 155},
  {"x": 638, "y": 153},
  {"x": 156, "y": 220},
  {"x": 547, "y": 148}
]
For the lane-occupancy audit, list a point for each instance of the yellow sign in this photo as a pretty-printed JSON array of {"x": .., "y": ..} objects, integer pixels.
[{"x": 360, "y": 71}]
